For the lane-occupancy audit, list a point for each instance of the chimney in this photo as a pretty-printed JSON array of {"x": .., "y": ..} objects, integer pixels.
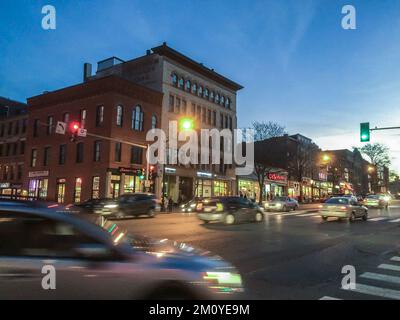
[{"x": 87, "y": 71}]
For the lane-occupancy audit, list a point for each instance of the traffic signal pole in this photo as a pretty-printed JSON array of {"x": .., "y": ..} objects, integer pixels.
[{"x": 387, "y": 128}]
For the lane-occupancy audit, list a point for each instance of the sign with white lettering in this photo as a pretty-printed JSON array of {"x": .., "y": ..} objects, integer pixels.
[
  {"x": 82, "y": 132},
  {"x": 37, "y": 174}
]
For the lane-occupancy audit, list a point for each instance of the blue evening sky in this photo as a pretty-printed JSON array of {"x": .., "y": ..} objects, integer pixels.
[{"x": 298, "y": 66}]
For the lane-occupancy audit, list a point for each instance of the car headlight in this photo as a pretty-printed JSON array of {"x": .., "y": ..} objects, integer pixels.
[
  {"x": 183, "y": 206},
  {"x": 193, "y": 205},
  {"x": 111, "y": 206},
  {"x": 279, "y": 205},
  {"x": 386, "y": 198}
]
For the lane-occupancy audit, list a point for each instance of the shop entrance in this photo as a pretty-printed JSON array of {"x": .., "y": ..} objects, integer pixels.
[
  {"x": 185, "y": 189},
  {"x": 60, "y": 189},
  {"x": 38, "y": 188}
]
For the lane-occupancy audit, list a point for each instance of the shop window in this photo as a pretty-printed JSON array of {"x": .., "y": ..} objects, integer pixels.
[
  {"x": 96, "y": 188},
  {"x": 220, "y": 188},
  {"x": 34, "y": 158},
  {"x": 60, "y": 189},
  {"x": 78, "y": 190},
  {"x": 131, "y": 184}
]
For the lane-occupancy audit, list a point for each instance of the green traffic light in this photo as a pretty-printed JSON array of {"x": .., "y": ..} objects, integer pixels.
[
  {"x": 365, "y": 132},
  {"x": 186, "y": 124}
]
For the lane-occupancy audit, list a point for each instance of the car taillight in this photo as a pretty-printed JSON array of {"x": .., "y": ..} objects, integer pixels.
[{"x": 199, "y": 207}]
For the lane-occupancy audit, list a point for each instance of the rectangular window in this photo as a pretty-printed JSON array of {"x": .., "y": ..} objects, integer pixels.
[
  {"x": 36, "y": 127},
  {"x": 50, "y": 124},
  {"x": 14, "y": 148},
  {"x": 230, "y": 123},
  {"x": 1, "y": 149},
  {"x": 19, "y": 171},
  {"x": 136, "y": 155},
  {"x": 62, "y": 154},
  {"x": 208, "y": 116},
  {"x": 171, "y": 103},
  {"x": 184, "y": 107},
  {"x": 8, "y": 149},
  {"x": 60, "y": 189},
  {"x": 16, "y": 131},
  {"x": 214, "y": 121},
  {"x": 96, "y": 151},
  {"x": 22, "y": 147},
  {"x": 34, "y": 158},
  {"x": 204, "y": 112},
  {"x": 10, "y": 127},
  {"x": 118, "y": 148},
  {"x": 221, "y": 120},
  {"x": 2, "y": 129},
  {"x": 78, "y": 190},
  {"x": 83, "y": 116},
  {"x": 99, "y": 116},
  {"x": 66, "y": 117},
  {"x": 46, "y": 156},
  {"x": 193, "y": 109},
  {"x": 5, "y": 173},
  {"x": 79, "y": 152},
  {"x": 24, "y": 125},
  {"x": 120, "y": 116},
  {"x": 96, "y": 188},
  {"x": 11, "y": 172},
  {"x": 178, "y": 105}
]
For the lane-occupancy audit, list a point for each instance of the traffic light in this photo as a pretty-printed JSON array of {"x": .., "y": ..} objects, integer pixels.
[
  {"x": 365, "y": 133},
  {"x": 74, "y": 129}
]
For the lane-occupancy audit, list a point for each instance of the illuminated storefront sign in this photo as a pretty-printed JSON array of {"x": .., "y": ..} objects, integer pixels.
[{"x": 277, "y": 177}]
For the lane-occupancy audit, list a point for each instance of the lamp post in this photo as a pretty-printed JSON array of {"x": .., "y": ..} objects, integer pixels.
[{"x": 185, "y": 124}]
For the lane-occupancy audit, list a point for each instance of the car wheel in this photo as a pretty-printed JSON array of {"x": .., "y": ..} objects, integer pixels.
[
  {"x": 229, "y": 219},
  {"x": 119, "y": 215},
  {"x": 352, "y": 217},
  {"x": 365, "y": 216},
  {"x": 259, "y": 217},
  {"x": 325, "y": 218},
  {"x": 151, "y": 213},
  {"x": 294, "y": 208},
  {"x": 206, "y": 221}
]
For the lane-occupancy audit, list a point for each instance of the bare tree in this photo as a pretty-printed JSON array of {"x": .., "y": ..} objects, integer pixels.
[
  {"x": 267, "y": 129},
  {"x": 377, "y": 153}
]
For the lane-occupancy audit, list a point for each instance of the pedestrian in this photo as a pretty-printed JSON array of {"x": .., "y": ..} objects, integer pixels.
[{"x": 170, "y": 204}]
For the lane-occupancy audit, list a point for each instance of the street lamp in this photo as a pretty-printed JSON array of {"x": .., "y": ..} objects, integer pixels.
[
  {"x": 184, "y": 124},
  {"x": 326, "y": 157}
]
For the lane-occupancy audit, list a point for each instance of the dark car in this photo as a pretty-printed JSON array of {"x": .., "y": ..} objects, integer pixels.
[
  {"x": 191, "y": 205},
  {"x": 229, "y": 210},
  {"x": 127, "y": 205},
  {"x": 93, "y": 258}
]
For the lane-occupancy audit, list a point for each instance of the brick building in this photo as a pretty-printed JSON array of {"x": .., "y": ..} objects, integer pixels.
[
  {"x": 111, "y": 109},
  {"x": 13, "y": 126}
]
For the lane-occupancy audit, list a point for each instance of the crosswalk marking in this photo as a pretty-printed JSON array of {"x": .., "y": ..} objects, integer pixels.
[
  {"x": 329, "y": 298},
  {"x": 397, "y": 259},
  {"x": 389, "y": 267},
  {"x": 377, "y": 291},
  {"x": 308, "y": 215},
  {"x": 381, "y": 277}
]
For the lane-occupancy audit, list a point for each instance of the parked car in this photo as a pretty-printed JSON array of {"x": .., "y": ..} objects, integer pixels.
[
  {"x": 96, "y": 259},
  {"x": 380, "y": 201},
  {"x": 229, "y": 210},
  {"x": 191, "y": 205},
  {"x": 127, "y": 205},
  {"x": 343, "y": 208},
  {"x": 281, "y": 204}
]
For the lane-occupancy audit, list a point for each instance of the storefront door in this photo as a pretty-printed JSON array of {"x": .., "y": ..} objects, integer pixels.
[{"x": 60, "y": 189}]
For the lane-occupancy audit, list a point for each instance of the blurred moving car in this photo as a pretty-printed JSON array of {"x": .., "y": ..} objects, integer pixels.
[
  {"x": 95, "y": 258},
  {"x": 191, "y": 205},
  {"x": 229, "y": 210},
  {"x": 127, "y": 205},
  {"x": 281, "y": 204},
  {"x": 380, "y": 201},
  {"x": 343, "y": 208}
]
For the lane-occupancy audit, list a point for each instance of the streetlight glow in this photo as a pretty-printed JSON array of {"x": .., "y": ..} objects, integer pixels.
[{"x": 186, "y": 124}]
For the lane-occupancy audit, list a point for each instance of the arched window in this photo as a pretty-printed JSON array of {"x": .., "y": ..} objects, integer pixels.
[
  {"x": 154, "y": 121},
  {"x": 137, "y": 119},
  {"x": 120, "y": 115},
  {"x": 212, "y": 94},
  {"x": 228, "y": 103},
  {"x": 188, "y": 86},
  {"x": 174, "y": 79},
  {"x": 194, "y": 88},
  {"x": 181, "y": 83},
  {"x": 200, "y": 92},
  {"x": 217, "y": 98},
  {"x": 222, "y": 100}
]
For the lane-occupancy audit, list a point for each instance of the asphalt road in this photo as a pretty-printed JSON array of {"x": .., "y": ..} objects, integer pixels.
[{"x": 297, "y": 255}]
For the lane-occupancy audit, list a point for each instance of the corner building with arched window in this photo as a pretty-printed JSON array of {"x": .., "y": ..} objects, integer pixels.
[
  {"x": 117, "y": 113},
  {"x": 189, "y": 89}
]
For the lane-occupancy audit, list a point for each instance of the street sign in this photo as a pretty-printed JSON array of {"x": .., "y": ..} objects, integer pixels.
[
  {"x": 82, "y": 132},
  {"x": 61, "y": 127}
]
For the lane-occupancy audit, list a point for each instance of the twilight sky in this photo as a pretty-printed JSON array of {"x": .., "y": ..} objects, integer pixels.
[{"x": 298, "y": 66}]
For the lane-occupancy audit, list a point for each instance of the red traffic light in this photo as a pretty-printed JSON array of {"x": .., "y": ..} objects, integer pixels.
[{"x": 74, "y": 126}]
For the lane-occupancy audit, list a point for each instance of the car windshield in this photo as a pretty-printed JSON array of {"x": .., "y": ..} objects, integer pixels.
[
  {"x": 373, "y": 197},
  {"x": 280, "y": 199},
  {"x": 338, "y": 201}
]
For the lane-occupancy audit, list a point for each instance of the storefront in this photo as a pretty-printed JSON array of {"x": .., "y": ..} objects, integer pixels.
[
  {"x": 249, "y": 188},
  {"x": 10, "y": 189},
  {"x": 276, "y": 185},
  {"x": 38, "y": 184},
  {"x": 122, "y": 181}
]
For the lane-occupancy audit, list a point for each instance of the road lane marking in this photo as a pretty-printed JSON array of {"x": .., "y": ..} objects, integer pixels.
[
  {"x": 377, "y": 291},
  {"x": 389, "y": 267},
  {"x": 308, "y": 215},
  {"x": 377, "y": 219},
  {"x": 394, "y": 221},
  {"x": 397, "y": 259},
  {"x": 329, "y": 298},
  {"x": 381, "y": 277}
]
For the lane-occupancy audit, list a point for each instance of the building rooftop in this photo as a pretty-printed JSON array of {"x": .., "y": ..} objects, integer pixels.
[{"x": 11, "y": 108}]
